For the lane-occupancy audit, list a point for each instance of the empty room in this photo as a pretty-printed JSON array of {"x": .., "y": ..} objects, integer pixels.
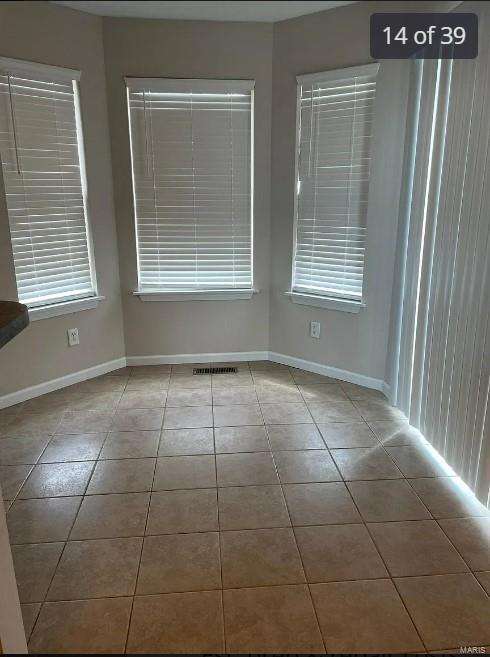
[{"x": 244, "y": 327}]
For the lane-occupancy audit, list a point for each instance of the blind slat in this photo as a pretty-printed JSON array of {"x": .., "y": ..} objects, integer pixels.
[
  {"x": 39, "y": 146},
  {"x": 191, "y": 151},
  {"x": 334, "y": 153}
]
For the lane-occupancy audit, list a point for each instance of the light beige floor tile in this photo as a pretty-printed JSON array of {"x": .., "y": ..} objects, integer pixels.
[
  {"x": 252, "y": 507},
  {"x": 295, "y": 436},
  {"x": 448, "y": 610},
  {"x": 147, "y": 385},
  {"x": 271, "y": 377},
  {"x": 42, "y": 520},
  {"x": 186, "y": 442},
  {"x": 395, "y": 432},
  {"x": 286, "y": 413},
  {"x": 95, "y": 401},
  {"x": 101, "y": 384},
  {"x": 179, "y": 562},
  {"x": 333, "y": 411},
  {"x": 239, "y": 380},
  {"x": 378, "y": 410},
  {"x": 445, "y": 497},
  {"x": 32, "y": 424},
  {"x": 320, "y": 504},
  {"x": 138, "y": 419},
  {"x": 338, "y": 552},
  {"x": 260, "y": 557},
  {"x": 130, "y": 445},
  {"x": 386, "y": 500},
  {"x": 306, "y": 466},
  {"x": 237, "y": 415},
  {"x": 364, "y": 617},
  {"x": 64, "y": 448},
  {"x": 34, "y": 567},
  {"x": 104, "y": 623},
  {"x": 484, "y": 579},
  {"x": 361, "y": 393},
  {"x": 347, "y": 434},
  {"x": 188, "y": 381},
  {"x": 302, "y": 377},
  {"x": 177, "y": 623},
  {"x": 173, "y": 472},
  {"x": 280, "y": 393},
  {"x": 142, "y": 399},
  {"x": 58, "y": 400},
  {"x": 161, "y": 370},
  {"x": 111, "y": 516},
  {"x": 416, "y": 462},
  {"x": 278, "y": 619},
  {"x": 12, "y": 477},
  {"x": 183, "y": 511},
  {"x": 103, "y": 568},
  {"x": 85, "y": 422},
  {"x": 189, "y": 397},
  {"x": 322, "y": 392},
  {"x": 30, "y": 613},
  {"x": 57, "y": 480},
  {"x": 235, "y": 395},
  {"x": 254, "y": 468},
  {"x": 240, "y": 439},
  {"x": 471, "y": 536},
  {"x": 188, "y": 417},
  {"x": 122, "y": 476},
  {"x": 22, "y": 450},
  {"x": 417, "y": 547},
  {"x": 258, "y": 365},
  {"x": 365, "y": 463}
]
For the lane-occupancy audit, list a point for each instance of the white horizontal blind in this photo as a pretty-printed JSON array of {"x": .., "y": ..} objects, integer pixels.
[
  {"x": 335, "y": 120},
  {"x": 41, "y": 155},
  {"x": 191, "y": 143}
]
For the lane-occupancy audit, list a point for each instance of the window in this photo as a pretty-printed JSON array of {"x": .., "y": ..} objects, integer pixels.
[
  {"x": 334, "y": 129},
  {"x": 191, "y": 146},
  {"x": 43, "y": 169}
]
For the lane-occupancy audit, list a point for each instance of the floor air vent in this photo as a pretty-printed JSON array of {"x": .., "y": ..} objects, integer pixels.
[{"x": 214, "y": 370}]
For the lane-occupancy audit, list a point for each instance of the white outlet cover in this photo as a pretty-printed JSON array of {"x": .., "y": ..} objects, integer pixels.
[
  {"x": 315, "y": 329},
  {"x": 73, "y": 337}
]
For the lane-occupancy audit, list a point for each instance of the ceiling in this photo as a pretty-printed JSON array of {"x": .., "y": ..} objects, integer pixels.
[{"x": 268, "y": 12}]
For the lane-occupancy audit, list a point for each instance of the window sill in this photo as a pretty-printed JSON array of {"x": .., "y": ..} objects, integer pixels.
[
  {"x": 331, "y": 303},
  {"x": 196, "y": 295},
  {"x": 64, "y": 308}
]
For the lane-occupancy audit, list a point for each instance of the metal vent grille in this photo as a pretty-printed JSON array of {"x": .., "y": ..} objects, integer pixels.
[{"x": 214, "y": 370}]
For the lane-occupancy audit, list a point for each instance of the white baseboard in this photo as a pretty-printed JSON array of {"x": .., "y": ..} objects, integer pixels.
[
  {"x": 97, "y": 370},
  {"x": 386, "y": 390},
  {"x": 61, "y": 382},
  {"x": 327, "y": 370},
  {"x": 227, "y": 357}
]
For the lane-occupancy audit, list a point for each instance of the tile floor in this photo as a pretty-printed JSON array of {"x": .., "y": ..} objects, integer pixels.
[{"x": 268, "y": 511}]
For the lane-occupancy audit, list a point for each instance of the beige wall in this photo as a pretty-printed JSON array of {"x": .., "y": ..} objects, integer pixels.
[
  {"x": 42, "y": 32},
  {"x": 189, "y": 49},
  {"x": 329, "y": 40}
]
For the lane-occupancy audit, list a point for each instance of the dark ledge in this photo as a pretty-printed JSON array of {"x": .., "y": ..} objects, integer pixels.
[{"x": 14, "y": 317}]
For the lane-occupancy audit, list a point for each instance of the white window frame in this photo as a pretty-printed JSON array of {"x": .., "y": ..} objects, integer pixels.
[
  {"x": 146, "y": 294},
  {"x": 73, "y": 304},
  {"x": 327, "y": 301}
]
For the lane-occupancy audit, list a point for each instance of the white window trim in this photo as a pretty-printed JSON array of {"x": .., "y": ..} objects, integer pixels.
[
  {"x": 330, "y": 303},
  {"x": 64, "y": 308},
  {"x": 320, "y": 301},
  {"x": 195, "y": 295}
]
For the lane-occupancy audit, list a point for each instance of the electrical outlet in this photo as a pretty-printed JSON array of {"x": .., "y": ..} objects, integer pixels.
[
  {"x": 73, "y": 337},
  {"x": 315, "y": 329}
]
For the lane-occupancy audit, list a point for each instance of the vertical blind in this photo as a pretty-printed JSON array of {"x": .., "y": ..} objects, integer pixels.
[
  {"x": 335, "y": 121},
  {"x": 42, "y": 160},
  {"x": 191, "y": 146},
  {"x": 444, "y": 361}
]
